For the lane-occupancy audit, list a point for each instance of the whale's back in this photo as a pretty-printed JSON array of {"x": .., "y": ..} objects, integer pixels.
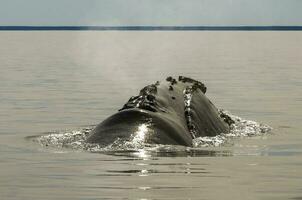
[{"x": 170, "y": 112}]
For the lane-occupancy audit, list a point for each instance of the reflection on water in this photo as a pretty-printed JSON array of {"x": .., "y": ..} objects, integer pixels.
[
  {"x": 170, "y": 153},
  {"x": 63, "y": 80}
]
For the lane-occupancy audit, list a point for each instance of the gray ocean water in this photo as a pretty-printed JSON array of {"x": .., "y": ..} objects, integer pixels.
[{"x": 56, "y": 81}]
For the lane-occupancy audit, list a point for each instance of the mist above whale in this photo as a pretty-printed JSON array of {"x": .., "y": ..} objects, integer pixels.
[{"x": 170, "y": 112}]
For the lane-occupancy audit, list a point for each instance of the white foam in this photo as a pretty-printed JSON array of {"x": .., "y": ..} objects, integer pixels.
[
  {"x": 75, "y": 139},
  {"x": 241, "y": 128}
]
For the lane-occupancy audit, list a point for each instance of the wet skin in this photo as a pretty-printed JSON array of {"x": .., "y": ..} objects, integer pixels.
[{"x": 167, "y": 112}]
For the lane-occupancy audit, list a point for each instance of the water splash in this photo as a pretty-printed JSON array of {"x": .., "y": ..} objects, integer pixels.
[
  {"x": 75, "y": 139},
  {"x": 240, "y": 128}
]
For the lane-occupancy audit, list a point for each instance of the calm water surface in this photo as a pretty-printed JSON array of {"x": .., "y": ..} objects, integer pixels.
[{"x": 65, "y": 80}]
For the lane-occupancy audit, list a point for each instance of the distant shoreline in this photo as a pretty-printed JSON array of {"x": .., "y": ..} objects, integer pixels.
[{"x": 150, "y": 28}]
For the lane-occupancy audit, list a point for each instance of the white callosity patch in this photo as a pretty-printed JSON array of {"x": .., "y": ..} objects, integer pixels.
[
  {"x": 76, "y": 139},
  {"x": 188, "y": 95}
]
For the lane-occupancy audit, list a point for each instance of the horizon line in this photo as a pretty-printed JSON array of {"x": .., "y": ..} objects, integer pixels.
[{"x": 150, "y": 28}]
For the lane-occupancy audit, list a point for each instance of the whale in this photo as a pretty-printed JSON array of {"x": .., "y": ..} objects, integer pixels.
[{"x": 174, "y": 111}]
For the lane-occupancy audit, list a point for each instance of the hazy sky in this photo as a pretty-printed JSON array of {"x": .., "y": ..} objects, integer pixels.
[{"x": 150, "y": 12}]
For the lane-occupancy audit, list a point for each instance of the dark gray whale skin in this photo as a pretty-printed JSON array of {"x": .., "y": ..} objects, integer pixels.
[{"x": 170, "y": 112}]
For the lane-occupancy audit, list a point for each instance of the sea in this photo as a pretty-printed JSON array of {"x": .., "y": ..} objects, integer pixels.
[{"x": 55, "y": 86}]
